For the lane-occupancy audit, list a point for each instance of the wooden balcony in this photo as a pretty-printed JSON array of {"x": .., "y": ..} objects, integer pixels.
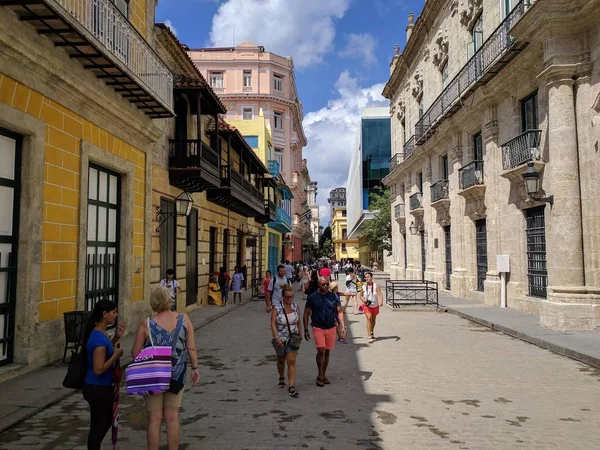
[
  {"x": 269, "y": 213},
  {"x": 98, "y": 33},
  {"x": 193, "y": 166},
  {"x": 237, "y": 194}
]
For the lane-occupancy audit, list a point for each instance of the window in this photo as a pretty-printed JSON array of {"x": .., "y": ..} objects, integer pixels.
[
  {"x": 279, "y": 158},
  {"x": 252, "y": 141},
  {"x": 477, "y": 147},
  {"x": 537, "y": 271},
  {"x": 247, "y": 113},
  {"x": 506, "y": 7},
  {"x": 278, "y": 120},
  {"x": 402, "y": 191},
  {"x": 247, "y": 78},
  {"x": 445, "y": 75},
  {"x": 102, "y": 253},
  {"x": 343, "y": 247},
  {"x": 529, "y": 112},
  {"x": 481, "y": 252},
  {"x": 444, "y": 164},
  {"x": 216, "y": 79},
  {"x": 278, "y": 83},
  {"x": 477, "y": 37},
  {"x": 344, "y": 233},
  {"x": 123, "y": 6},
  {"x": 344, "y": 213},
  {"x": 403, "y": 125},
  {"x": 420, "y": 181},
  {"x": 212, "y": 250}
]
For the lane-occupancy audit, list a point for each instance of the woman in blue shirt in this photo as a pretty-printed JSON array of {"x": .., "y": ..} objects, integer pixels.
[{"x": 101, "y": 356}]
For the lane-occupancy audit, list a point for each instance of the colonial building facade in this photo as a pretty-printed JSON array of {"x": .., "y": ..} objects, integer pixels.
[
  {"x": 249, "y": 79},
  {"x": 343, "y": 247},
  {"x": 483, "y": 94}
]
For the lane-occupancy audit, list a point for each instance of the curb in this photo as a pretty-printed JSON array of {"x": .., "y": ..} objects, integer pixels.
[
  {"x": 25, "y": 412},
  {"x": 554, "y": 348}
]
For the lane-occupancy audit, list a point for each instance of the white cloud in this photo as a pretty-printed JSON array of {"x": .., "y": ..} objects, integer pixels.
[
  {"x": 170, "y": 25},
  {"x": 332, "y": 132},
  {"x": 360, "y": 46},
  {"x": 304, "y": 30}
]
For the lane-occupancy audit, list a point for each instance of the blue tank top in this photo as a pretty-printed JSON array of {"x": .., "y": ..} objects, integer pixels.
[{"x": 176, "y": 339}]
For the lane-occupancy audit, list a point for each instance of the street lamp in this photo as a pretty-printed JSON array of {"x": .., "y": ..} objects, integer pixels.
[
  {"x": 532, "y": 178},
  {"x": 183, "y": 207},
  {"x": 262, "y": 231},
  {"x": 414, "y": 230}
]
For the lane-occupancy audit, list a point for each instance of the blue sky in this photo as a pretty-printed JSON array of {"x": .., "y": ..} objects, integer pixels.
[{"x": 341, "y": 51}]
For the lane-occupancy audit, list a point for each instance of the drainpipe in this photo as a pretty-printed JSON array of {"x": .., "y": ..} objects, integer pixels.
[{"x": 575, "y": 86}]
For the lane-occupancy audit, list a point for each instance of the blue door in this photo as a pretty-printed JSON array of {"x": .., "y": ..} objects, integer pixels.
[{"x": 273, "y": 252}]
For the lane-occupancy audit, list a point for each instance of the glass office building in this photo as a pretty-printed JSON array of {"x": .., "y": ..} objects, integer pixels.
[{"x": 376, "y": 148}]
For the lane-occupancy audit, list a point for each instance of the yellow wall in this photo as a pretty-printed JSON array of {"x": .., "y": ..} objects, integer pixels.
[
  {"x": 65, "y": 130},
  {"x": 137, "y": 15},
  {"x": 338, "y": 224}
]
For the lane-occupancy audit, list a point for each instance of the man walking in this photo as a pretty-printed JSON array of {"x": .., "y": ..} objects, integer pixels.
[
  {"x": 289, "y": 272},
  {"x": 336, "y": 270},
  {"x": 273, "y": 295},
  {"x": 372, "y": 299},
  {"x": 322, "y": 308}
]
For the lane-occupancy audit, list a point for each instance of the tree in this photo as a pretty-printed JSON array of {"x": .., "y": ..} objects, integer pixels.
[
  {"x": 325, "y": 244},
  {"x": 378, "y": 230}
]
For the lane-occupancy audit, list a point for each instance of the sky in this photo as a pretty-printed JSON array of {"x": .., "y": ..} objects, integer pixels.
[{"x": 341, "y": 50}]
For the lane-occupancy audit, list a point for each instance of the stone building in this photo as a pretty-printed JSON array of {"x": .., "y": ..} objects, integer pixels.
[
  {"x": 343, "y": 247},
  {"x": 248, "y": 79},
  {"x": 223, "y": 175},
  {"x": 74, "y": 176},
  {"x": 484, "y": 93}
]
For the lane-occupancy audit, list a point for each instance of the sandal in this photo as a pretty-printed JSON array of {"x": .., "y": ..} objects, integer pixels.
[
  {"x": 320, "y": 382},
  {"x": 326, "y": 381},
  {"x": 281, "y": 382},
  {"x": 293, "y": 392}
]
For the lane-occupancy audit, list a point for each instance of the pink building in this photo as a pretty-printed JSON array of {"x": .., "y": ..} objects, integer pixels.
[{"x": 247, "y": 79}]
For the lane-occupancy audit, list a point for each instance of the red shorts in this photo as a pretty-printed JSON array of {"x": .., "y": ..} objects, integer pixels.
[
  {"x": 371, "y": 311},
  {"x": 324, "y": 338}
]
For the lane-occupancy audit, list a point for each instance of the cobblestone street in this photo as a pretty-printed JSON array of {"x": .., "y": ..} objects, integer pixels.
[{"x": 431, "y": 381}]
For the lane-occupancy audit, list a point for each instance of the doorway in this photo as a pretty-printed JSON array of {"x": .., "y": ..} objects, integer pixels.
[{"x": 191, "y": 263}]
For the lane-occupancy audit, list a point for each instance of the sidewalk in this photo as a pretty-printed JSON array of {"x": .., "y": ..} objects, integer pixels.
[
  {"x": 582, "y": 346},
  {"x": 28, "y": 394}
]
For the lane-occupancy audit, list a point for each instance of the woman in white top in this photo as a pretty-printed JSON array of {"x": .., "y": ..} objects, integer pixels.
[
  {"x": 351, "y": 290},
  {"x": 372, "y": 299},
  {"x": 172, "y": 285},
  {"x": 304, "y": 277}
]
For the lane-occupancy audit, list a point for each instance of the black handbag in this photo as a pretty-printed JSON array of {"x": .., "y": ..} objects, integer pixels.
[
  {"x": 76, "y": 372},
  {"x": 295, "y": 339}
]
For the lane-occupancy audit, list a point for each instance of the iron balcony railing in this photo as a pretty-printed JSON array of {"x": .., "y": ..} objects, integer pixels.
[
  {"x": 399, "y": 211},
  {"x": 524, "y": 148},
  {"x": 416, "y": 201},
  {"x": 282, "y": 216},
  {"x": 107, "y": 23},
  {"x": 439, "y": 191},
  {"x": 395, "y": 161},
  {"x": 409, "y": 147},
  {"x": 273, "y": 167},
  {"x": 496, "y": 46},
  {"x": 471, "y": 174}
]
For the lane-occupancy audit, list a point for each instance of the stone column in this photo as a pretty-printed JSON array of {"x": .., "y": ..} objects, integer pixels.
[{"x": 457, "y": 206}]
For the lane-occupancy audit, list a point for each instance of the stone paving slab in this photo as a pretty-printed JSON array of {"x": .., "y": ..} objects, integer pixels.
[
  {"x": 582, "y": 346},
  {"x": 28, "y": 394},
  {"x": 431, "y": 381}
]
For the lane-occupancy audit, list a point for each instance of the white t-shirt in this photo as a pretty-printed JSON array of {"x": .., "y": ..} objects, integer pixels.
[
  {"x": 171, "y": 286},
  {"x": 351, "y": 284},
  {"x": 276, "y": 296},
  {"x": 289, "y": 271}
]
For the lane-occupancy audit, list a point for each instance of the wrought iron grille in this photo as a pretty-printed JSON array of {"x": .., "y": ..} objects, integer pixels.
[
  {"x": 439, "y": 191},
  {"x": 399, "y": 211},
  {"x": 537, "y": 271},
  {"x": 496, "y": 46},
  {"x": 411, "y": 292},
  {"x": 524, "y": 148},
  {"x": 448, "y": 247},
  {"x": 409, "y": 147},
  {"x": 396, "y": 160},
  {"x": 416, "y": 201},
  {"x": 471, "y": 174},
  {"x": 481, "y": 252}
]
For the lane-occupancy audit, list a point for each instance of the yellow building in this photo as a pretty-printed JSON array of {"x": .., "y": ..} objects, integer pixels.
[
  {"x": 77, "y": 122},
  {"x": 343, "y": 247}
]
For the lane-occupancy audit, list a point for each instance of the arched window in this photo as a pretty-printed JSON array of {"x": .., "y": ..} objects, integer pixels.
[{"x": 476, "y": 36}]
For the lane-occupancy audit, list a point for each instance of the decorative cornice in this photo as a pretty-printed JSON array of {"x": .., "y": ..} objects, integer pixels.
[
  {"x": 469, "y": 11},
  {"x": 440, "y": 55}
]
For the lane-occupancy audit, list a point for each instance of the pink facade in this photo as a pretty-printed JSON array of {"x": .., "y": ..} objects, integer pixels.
[{"x": 247, "y": 79}]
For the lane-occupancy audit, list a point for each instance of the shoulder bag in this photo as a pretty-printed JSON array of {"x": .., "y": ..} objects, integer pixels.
[
  {"x": 150, "y": 372},
  {"x": 295, "y": 339}
]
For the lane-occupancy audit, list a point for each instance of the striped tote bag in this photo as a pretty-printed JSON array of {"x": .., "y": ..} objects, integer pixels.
[{"x": 150, "y": 372}]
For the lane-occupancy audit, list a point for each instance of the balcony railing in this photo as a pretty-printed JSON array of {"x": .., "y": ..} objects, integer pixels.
[
  {"x": 247, "y": 89},
  {"x": 409, "y": 147},
  {"x": 399, "y": 211},
  {"x": 106, "y": 23},
  {"x": 524, "y": 148},
  {"x": 282, "y": 216},
  {"x": 273, "y": 167},
  {"x": 471, "y": 175},
  {"x": 416, "y": 201},
  {"x": 294, "y": 179},
  {"x": 439, "y": 191},
  {"x": 395, "y": 160},
  {"x": 193, "y": 165},
  {"x": 491, "y": 52}
]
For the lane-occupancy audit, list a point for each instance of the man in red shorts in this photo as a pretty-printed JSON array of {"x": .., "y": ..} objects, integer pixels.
[
  {"x": 322, "y": 308},
  {"x": 372, "y": 299}
]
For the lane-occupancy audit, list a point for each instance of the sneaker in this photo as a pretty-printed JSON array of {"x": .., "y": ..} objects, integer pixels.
[
  {"x": 343, "y": 341},
  {"x": 371, "y": 339}
]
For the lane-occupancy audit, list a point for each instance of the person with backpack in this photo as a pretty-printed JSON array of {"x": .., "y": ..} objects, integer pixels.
[
  {"x": 273, "y": 295},
  {"x": 100, "y": 355},
  {"x": 224, "y": 285}
]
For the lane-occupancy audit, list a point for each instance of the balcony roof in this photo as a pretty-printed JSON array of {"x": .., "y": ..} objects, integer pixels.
[{"x": 141, "y": 78}]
